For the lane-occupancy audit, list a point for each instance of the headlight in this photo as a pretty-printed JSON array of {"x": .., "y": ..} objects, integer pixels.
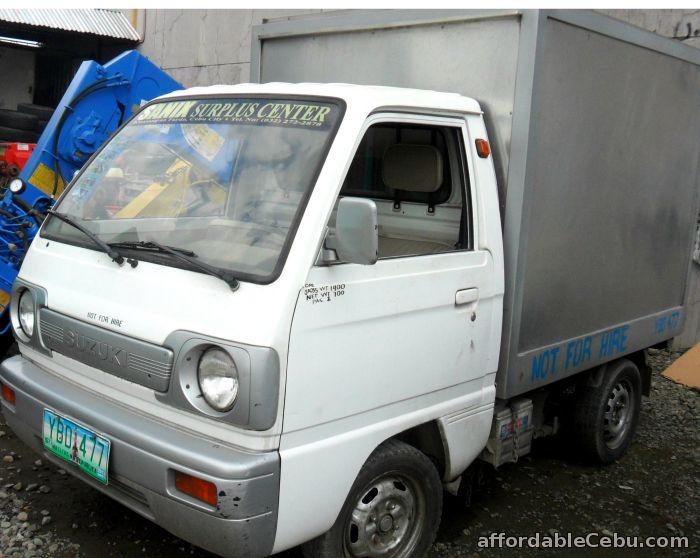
[
  {"x": 25, "y": 311},
  {"x": 218, "y": 379}
]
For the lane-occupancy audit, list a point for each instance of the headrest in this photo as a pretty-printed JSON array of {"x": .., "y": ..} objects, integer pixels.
[{"x": 415, "y": 168}]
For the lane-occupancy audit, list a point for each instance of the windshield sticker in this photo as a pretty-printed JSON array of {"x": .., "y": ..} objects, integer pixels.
[
  {"x": 203, "y": 140},
  {"x": 278, "y": 113}
]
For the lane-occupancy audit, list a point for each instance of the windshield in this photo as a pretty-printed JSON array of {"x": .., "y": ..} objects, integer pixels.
[{"x": 226, "y": 179}]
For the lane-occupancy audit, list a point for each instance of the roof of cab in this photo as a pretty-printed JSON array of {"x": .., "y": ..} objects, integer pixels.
[{"x": 372, "y": 96}]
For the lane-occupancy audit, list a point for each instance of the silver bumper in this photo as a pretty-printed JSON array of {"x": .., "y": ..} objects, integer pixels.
[{"x": 144, "y": 456}]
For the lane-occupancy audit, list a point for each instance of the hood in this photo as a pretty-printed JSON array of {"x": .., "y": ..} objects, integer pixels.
[{"x": 151, "y": 301}]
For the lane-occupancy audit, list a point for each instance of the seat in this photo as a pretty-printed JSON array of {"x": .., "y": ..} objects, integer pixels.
[{"x": 411, "y": 168}]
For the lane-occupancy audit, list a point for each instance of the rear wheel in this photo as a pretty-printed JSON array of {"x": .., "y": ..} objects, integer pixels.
[
  {"x": 393, "y": 509},
  {"x": 606, "y": 414}
]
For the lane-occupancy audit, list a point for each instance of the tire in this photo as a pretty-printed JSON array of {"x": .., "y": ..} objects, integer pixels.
[
  {"x": 15, "y": 135},
  {"x": 18, "y": 120},
  {"x": 42, "y": 112},
  {"x": 606, "y": 415},
  {"x": 397, "y": 496},
  {"x": 42, "y": 125}
]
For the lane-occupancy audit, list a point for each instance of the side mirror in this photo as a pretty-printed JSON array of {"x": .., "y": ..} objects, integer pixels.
[{"x": 356, "y": 235}]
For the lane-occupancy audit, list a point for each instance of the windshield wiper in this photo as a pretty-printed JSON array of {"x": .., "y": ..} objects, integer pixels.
[
  {"x": 150, "y": 246},
  {"x": 183, "y": 255},
  {"x": 106, "y": 248}
]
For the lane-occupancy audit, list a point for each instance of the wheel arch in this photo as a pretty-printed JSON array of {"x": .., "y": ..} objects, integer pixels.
[
  {"x": 454, "y": 441},
  {"x": 427, "y": 439},
  {"x": 451, "y": 438},
  {"x": 595, "y": 376},
  {"x": 640, "y": 360}
]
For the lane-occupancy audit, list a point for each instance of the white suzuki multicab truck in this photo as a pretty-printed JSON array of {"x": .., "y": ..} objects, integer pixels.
[{"x": 268, "y": 315}]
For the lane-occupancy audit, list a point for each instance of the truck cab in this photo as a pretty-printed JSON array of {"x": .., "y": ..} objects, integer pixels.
[{"x": 263, "y": 315}]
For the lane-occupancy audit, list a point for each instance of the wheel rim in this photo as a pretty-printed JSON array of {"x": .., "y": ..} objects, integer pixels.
[
  {"x": 619, "y": 412},
  {"x": 387, "y": 519}
]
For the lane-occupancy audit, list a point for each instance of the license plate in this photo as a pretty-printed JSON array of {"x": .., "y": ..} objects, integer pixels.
[{"x": 76, "y": 444}]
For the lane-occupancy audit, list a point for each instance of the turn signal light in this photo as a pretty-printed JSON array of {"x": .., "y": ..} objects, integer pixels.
[
  {"x": 197, "y": 488},
  {"x": 8, "y": 394},
  {"x": 483, "y": 149}
]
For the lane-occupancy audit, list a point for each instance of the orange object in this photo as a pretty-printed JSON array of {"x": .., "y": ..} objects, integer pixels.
[
  {"x": 8, "y": 394},
  {"x": 197, "y": 488},
  {"x": 686, "y": 370},
  {"x": 483, "y": 149}
]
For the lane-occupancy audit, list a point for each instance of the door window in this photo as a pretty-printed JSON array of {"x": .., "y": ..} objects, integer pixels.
[{"x": 416, "y": 175}]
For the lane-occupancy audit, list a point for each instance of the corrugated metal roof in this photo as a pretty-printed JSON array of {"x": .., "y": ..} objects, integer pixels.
[{"x": 105, "y": 23}]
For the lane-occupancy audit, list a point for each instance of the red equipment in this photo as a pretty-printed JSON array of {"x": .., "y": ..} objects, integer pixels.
[{"x": 13, "y": 157}]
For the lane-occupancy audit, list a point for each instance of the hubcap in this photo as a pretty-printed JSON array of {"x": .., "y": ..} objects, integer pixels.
[
  {"x": 619, "y": 410},
  {"x": 387, "y": 520}
]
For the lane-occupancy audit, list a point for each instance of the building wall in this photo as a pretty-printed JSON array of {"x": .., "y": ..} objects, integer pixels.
[
  {"x": 205, "y": 47},
  {"x": 202, "y": 47},
  {"x": 682, "y": 25},
  {"x": 18, "y": 64}
]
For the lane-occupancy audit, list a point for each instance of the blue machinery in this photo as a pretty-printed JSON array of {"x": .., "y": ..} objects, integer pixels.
[{"x": 98, "y": 100}]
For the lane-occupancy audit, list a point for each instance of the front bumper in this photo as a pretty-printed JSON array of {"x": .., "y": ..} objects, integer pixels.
[{"x": 144, "y": 456}]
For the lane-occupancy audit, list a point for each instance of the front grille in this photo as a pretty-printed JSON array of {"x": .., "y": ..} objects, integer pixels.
[
  {"x": 48, "y": 329},
  {"x": 149, "y": 366},
  {"x": 131, "y": 359}
]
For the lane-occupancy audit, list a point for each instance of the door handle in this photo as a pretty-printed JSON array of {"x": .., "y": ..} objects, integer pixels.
[{"x": 466, "y": 296}]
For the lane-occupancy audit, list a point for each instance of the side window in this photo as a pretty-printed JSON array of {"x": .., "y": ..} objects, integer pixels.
[{"x": 416, "y": 176}]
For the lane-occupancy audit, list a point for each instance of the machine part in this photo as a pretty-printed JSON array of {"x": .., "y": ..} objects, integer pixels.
[
  {"x": 511, "y": 433},
  {"x": 18, "y": 120},
  {"x": 606, "y": 413},
  {"x": 16, "y": 155},
  {"x": 546, "y": 410},
  {"x": 393, "y": 508},
  {"x": 13, "y": 157},
  {"x": 16, "y": 186},
  {"x": 98, "y": 100}
]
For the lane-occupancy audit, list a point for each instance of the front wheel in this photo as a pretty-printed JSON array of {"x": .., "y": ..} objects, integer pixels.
[
  {"x": 393, "y": 509},
  {"x": 606, "y": 415}
]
